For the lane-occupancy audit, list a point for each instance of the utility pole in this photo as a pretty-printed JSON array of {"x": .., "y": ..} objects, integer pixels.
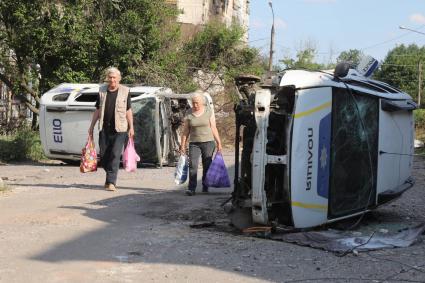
[
  {"x": 271, "y": 40},
  {"x": 419, "y": 83}
]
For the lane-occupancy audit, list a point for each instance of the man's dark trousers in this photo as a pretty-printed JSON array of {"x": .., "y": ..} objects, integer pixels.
[{"x": 111, "y": 146}]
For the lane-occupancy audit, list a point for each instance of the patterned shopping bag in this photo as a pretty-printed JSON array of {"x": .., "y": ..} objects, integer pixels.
[{"x": 88, "y": 157}]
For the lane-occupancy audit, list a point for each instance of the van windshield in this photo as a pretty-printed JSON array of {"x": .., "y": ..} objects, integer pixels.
[
  {"x": 354, "y": 152},
  {"x": 144, "y": 129}
]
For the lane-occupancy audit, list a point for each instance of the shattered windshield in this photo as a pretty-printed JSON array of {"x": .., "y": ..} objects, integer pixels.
[
  {"x": 144, "y": 129},
  {"x": 354, "y": 152}
]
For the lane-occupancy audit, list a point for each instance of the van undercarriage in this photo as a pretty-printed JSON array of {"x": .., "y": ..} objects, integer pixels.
[{"x": 276, "y": 176}]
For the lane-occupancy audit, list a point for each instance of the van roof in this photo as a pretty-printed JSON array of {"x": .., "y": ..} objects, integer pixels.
[
  {"x": 68, "y": 92},
  {"x": 70, "y": 87},
  {"x": 307, "y": 79}
]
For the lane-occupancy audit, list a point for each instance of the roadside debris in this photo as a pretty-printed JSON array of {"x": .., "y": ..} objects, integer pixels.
[
  {"x": 202, "y": 225},
  {"x": 260, "y": 231},
  {"x": 344, "y": 242}
]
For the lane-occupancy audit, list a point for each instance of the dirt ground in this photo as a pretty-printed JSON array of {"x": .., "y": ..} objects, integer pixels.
[{"x": 58, "y": 225}]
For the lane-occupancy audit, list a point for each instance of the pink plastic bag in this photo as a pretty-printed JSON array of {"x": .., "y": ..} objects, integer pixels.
[{"x": 130, "y": 157}]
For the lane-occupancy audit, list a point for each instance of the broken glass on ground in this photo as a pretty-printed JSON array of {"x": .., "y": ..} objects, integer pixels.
[{"x": 348, "y": 241}]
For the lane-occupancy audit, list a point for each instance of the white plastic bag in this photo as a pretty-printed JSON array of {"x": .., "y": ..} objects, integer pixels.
[{"x": 182, "y": 170}]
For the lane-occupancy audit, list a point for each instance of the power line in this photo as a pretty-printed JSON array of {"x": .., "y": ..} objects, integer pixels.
[
  {"x": 364, "y": 48},
  {"x": 399, "y": 65},
  {"x": 259, "y": 39},
  {"x": 392, "y": 39},
  {"x": 407, "y": 55}
]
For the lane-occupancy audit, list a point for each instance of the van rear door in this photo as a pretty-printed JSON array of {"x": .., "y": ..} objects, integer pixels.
[{"x": 146, "y": 128}]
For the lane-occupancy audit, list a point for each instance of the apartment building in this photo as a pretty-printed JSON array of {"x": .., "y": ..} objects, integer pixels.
[{"x": 195, "y": 13}]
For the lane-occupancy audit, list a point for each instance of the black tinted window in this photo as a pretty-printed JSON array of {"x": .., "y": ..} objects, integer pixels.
[
  {"x": 366, "y": 85},
  {"x": 87, "y": 97}
]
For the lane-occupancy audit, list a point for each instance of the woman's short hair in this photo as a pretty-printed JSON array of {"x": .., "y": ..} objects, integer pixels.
[
  {"x": 112, "y": 70},
  {"x": 199, "y": 96}
]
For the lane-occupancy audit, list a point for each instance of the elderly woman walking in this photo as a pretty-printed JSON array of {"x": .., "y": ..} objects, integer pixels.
[
  {"x": 113, "y": 110},
  {"x": 200, "y": 127}
]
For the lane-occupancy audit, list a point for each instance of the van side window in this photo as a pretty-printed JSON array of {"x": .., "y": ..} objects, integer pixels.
[
  {"x": 366, "y": 85},
  {"x": 87, "y": 97}
]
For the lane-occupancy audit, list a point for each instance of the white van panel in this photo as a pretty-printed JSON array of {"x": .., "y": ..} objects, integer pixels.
[
  {"x": 67, "y": 131},
  {"x": 309, "y": 187},
  {"x": 396, "y": 139}
]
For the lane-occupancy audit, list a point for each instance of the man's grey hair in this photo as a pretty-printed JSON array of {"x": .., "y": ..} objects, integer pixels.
[{"x": 112, "y": 70}]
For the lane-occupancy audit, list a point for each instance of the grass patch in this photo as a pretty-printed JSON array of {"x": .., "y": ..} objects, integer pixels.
[
  {"x": 3, "y": 189},
  {"x": 420, "y": 151},
  {"x": 23, "y": 145},
  {"x": 420, "y": 134},
  {"x": 3, "y": 186}
]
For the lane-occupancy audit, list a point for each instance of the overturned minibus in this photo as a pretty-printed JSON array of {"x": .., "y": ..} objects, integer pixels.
[
  {"x": 66, "y": 112},
  {"x": 318, "y": 147}
]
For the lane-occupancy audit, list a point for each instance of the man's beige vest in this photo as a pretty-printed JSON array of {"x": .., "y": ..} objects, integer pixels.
[{"x": 121, "y": 123}]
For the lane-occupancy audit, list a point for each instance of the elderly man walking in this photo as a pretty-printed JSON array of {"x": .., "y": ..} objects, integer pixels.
[{"x": 113, "y": 110}]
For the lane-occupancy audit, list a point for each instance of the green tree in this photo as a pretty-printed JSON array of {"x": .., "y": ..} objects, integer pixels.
[
  {"x": 219, "y": 48},
  {"x": 131, "y": 32},
  {"x": 305, "y": 59},
  {"x": 74, "y": 41},
  {"x": 47, "y": 42},
  {"x": 400, "y": 68},
  {"x": 216, "y": 50},
  {"x": 351, "y": 56}
]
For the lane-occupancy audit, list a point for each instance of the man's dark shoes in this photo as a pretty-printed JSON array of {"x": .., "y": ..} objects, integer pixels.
[{"x": 190, "y": 193}]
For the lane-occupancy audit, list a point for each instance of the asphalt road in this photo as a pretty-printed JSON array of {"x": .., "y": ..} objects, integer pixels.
[{"x": 58, "y": 225}]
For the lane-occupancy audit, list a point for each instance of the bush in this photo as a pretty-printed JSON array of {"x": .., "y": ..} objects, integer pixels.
[
  {"x": 25, "y": 144},
  {"x": 218, "y": 48},
  {"x": 419, "y": 115}
]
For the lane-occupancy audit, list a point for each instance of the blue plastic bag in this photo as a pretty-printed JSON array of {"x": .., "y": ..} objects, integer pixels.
[
  {"x": 182, "y": 170},
  {"x": 217, "y": 175}
]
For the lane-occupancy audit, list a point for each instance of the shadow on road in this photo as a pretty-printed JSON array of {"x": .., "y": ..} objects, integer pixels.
[
  {"x": 80, "y": 186},
  {"x": 152, "y": 225}
]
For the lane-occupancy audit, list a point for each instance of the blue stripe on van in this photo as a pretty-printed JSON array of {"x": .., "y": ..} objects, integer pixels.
[
  {"x": 324, "y": 157},
  {"x": 372, "y": 68}
]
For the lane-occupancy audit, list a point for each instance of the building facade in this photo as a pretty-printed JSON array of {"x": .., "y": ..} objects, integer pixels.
[{"x": 196, "y": 13}]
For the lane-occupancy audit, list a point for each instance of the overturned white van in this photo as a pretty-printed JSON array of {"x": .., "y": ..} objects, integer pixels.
[
  {"x": 318, "y": 147},
  {"x": 66, "y": 112}
]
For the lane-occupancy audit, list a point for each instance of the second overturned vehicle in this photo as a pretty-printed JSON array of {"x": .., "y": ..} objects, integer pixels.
[
  {"x": 158, "y": 113},
  {"x": 319, "y": 147}
]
